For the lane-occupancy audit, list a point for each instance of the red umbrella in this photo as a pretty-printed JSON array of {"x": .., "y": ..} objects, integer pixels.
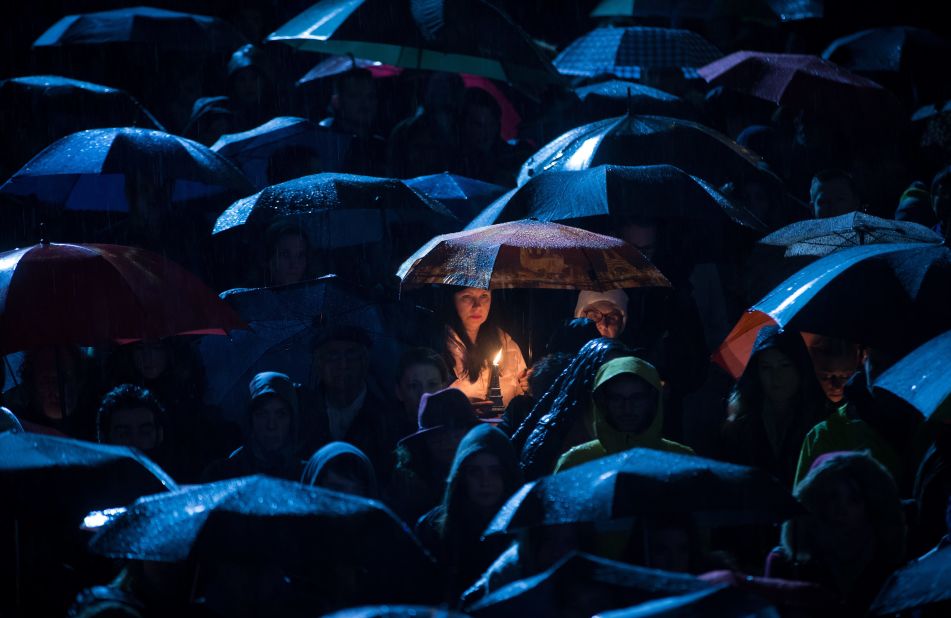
[
  {"x": 58, "y": 294},
  {"x": 793, "y": 80}
]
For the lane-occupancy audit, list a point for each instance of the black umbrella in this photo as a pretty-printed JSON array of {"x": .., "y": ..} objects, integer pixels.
[
  {"x": 649, "y": 140},
  {"x": 60, "y": 477},
  {"x": 396, "y": 611},
  {"x": 582, "y": 585},
  {"x": 892, "y": 297},
  {"x": 591, "y": 198},
  {"x": 648, "y": 482},
  {"x": 143, "y": 25},
  {"x": 616, "y": 97},
  {"x": 342, "y": 210},
  {"x": 260, "y": 519},
  {"x": 721, "y": 601},
  {"x": 460, "y": 37},
  {"x": 918, "y": 584},
  {"x": 818, "y": 237}
]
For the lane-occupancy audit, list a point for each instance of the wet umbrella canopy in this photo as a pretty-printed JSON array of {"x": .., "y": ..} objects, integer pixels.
[
  {"x": 58, "y": 294},
  {"x": 586, "y": 583},
  {"x": 648, "y": 482},
  {"x": 250, "y": 150},
  {"x": 649, "y": 140},
  {"x": 649, "y": 192},
  {"x": 529, "y": 254},
  {"x": 820, "y": 237},
  {"x": 920, "y": 583},
  {"x": 921, "y": 378},
  {"x": 89, "y": 170},
  {"x": 460, "y": 37},
  {"x": 339, "y": 210},
  {"x": 887, "y": 296},
  {"x": 465, "y": 197},
  {"x": 626, "y": 52},
  {"x": 721, "y": 601},
  {"x": 258, "y": 518},
  {"x": 615, "y": 97},
  {"x": 144, "y": 25},
  {"x": 46, "y": 476}
]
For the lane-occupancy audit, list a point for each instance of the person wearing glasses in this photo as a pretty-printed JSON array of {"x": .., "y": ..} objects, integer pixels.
[{"x": 608, "y": 310}]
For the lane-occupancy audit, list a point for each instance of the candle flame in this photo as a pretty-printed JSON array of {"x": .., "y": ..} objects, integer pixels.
[{"x": 498, "y": 357}]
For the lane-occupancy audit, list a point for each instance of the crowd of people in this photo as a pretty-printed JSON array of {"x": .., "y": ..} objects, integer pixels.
[{"x": 465, "y": 395}]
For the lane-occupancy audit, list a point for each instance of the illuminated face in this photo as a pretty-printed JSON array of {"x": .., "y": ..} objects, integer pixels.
[
  {"x": 472, "y": 307},
  {"x": 606, "y": 316}
]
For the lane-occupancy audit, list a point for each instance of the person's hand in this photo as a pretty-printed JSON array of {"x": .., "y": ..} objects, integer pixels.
[{"x": 523, "y": 379}]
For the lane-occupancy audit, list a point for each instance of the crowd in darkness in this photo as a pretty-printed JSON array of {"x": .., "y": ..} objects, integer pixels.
[{"x": 448, "y": 399}]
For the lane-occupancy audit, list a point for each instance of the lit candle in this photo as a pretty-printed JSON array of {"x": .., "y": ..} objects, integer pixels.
[{"x": 495, "y": 389}]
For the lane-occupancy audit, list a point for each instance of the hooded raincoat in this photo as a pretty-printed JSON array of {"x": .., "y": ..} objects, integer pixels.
[{"x": 610, "y": 440}]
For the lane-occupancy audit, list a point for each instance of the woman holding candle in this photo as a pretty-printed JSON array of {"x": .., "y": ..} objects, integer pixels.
[{"x": 473, "y": 342}]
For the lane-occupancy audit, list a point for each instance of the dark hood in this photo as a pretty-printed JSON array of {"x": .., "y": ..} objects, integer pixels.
[
  {"x": 791, "y": 344},
  {"x": 328, "y": 453},
  {"x": 485, "y": 439}
]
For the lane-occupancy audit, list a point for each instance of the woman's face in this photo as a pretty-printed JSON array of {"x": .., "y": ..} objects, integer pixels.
[
  {"x": 778, "y": 376},
  {"x": 482, "y": 475},
  {"x": 843, "y": 506},
  {"x": 472, "y": 306},
  {"x": 416, "y": 381}
]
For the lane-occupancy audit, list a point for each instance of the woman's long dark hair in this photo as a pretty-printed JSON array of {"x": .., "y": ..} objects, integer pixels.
[
  {"x": 480, "y": 352},
  {"x": 541, "y": 435}
]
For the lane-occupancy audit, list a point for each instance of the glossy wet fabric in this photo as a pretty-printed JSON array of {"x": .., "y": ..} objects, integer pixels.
[
  {"x": 819, "y": 237},
  {"x": 529, "y": 254},
  {"x": 921, "y": 377},
  {"x": 437, "y": 35},
  {"x": 649, "y": 140},
  {"x": 143, "y": 25},
  {"x": 917, "y": 584},
  {"x": 586, "y": 583},
  {"x": 720, "y": 601},
  {"x": 464, "y": 197},
  {"x": 643, "y": 482},
  {"x": 87, "y": 171},
  {"x": 50, "y": 477},
  {"x": 617, "y": 97},
  {"x": 59, "y": 294},
  {"x": 339, "y": 210},
  {"x": 889, "y": 296}
]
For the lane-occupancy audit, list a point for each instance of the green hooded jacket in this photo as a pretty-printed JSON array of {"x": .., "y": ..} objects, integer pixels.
[{"x": 608, "y": 439}]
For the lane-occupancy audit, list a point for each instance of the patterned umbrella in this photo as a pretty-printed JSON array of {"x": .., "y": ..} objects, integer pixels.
[
  {"x": 783, "y": 10},
  {"x": 529, "y": 254},
  {"x": 820, "y": 237},
  {"x": 626, "y": 51}
]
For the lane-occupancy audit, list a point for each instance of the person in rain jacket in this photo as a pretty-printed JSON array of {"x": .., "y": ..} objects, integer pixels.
[
  {"x": 774, "y": 404},
  {"x": 628, "y": 413},
  {"x": 852, "y": 536},
  {"x": 273, "y": 442},
  {"x": 341, "y": 467},
  {"x": 484, "y": 474}
]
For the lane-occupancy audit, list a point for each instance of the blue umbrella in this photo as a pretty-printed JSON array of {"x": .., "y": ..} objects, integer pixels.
[
  {"x": 923, "y": 377},
  {"x": 144, "y": 25},
  {"x": 783, "y": 10},
  {"x": 626, "y": 52},
  {"x": 282, "y": 322},
  {"x": 87, "y": 170},
  {"x": 251, "y": 149},
  {"x": 465, "y": 197}
]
